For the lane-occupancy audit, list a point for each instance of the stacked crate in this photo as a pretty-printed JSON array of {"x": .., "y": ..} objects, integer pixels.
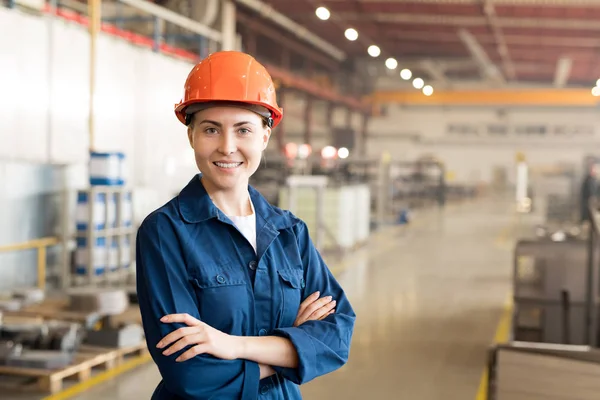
[{"x": 104, "y": 231}]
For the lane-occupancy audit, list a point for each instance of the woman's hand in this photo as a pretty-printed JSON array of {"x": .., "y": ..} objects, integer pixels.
[
  {"x": 314, "y": 309},
  {"x": 204, "y": 338}
]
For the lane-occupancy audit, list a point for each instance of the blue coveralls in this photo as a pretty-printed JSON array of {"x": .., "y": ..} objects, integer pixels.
[{"x": 192, "y": 259}]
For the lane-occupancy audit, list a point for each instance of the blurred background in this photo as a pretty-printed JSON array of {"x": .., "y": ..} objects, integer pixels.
[{"x": 443, "y": 153}]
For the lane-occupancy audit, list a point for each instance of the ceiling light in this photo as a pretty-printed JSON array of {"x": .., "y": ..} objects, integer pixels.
[
  {"x": 428, "y": 90},
  {"x": 323, "y": 13},
  {"x": 406, "y": 74},
  {"x": 328, "y": 152},
  {"x": 596, "y": 91},
  {"x": 598, "y": 83},
  {"x": 374, "y": 51},
  {"x": 351, "y": 34},
  {"x": 418, "y": 83},
  {"x": 343, "y": 152},
  {"x": 391, "y": 63}
]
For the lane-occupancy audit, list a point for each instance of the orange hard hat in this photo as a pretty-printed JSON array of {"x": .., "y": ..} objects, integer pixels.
[{"x": 230, "y": 77}]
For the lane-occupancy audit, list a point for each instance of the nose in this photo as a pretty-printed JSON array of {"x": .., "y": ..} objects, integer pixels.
[{"x": 227, "y": 145}]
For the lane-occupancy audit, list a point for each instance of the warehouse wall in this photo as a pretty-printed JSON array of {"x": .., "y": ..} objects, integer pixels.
[
  {"x": 48, "y": 67},
  {"x": 474, "y": 141}
]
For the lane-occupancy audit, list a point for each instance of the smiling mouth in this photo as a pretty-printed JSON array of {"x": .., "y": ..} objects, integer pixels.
[{"x": 227, "y": 165}]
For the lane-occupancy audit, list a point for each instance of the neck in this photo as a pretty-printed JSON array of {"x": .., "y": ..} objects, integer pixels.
[{"x": 233, "y": 202}]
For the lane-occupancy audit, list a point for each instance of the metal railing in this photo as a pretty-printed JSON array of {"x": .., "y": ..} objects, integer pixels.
[{"x": 41, "y": 245}]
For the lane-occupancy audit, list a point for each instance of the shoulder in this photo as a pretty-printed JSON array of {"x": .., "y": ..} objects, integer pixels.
[{"x": 164, "y": 217}]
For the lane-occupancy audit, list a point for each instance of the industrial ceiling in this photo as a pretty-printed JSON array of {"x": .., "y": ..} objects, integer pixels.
[{"x": 449, "y": 42}]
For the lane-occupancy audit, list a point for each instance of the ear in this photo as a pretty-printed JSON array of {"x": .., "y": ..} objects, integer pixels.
[
  {"x": 266, "y": 137},
  {"x": 190, "y": 133}
]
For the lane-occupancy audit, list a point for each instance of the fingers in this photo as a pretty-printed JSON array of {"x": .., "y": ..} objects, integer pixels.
[
  {"x": 193, "y": 352},
  {"x": 327, "y": 315},
  {"x": 315, "y": 306},
  {"x": 323, "y": 311},
  {"x": 310, "y": 299},
  {"x": 176, "y": 335},
  {"x": 184, "y": 318},
  {"x": 188, "y": 340}
]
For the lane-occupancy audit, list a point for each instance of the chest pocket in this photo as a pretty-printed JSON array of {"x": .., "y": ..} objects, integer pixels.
[
  {"x": 222, "y": 293},
  {"x": 292, "y": 289}
]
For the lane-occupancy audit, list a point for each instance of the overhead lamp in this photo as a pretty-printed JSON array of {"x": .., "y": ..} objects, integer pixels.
[
  {"x": 596, "y": 91},
  {"x": 323, "y": 13},
  {"x": 351, "y": 34},
  {"x": 374, "y": 51},
  {"x": 428, "y": 90},
  {"x": 304, "y": 150},
  {"x": 598, "y": 83},
  {"x": 328, "y": 152},
  {"x": 406, "y": 74},
  {"x": 343, "y": 152},
  {"x": 391, "y": 63},
  {"x": 418, "y": 83}
]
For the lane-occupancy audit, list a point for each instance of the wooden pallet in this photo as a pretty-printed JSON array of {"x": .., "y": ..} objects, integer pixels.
[{"x": 86, "y": 360}]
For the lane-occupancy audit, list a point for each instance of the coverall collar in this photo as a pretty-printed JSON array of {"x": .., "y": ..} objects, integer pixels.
[{"x": 196, "y": 206}]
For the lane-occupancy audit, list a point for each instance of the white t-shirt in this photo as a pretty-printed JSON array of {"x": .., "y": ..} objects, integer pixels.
[{"x": 247, "y": 225}]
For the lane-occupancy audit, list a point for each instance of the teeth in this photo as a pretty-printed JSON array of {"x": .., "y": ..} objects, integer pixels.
[{"x": 228, "y": 165}]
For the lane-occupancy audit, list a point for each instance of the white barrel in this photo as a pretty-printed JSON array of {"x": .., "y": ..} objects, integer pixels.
[
  {"x": 82, "y": 262},
  {"x": 125, "y": 252},
  {"x": 82, "y": 212},
  {"x": 107, "y": 169},
  {"x": 113, "y": 254},
  {"x": 127, "y": 218}
]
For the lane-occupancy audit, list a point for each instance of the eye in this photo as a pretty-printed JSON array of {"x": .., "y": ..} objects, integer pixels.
[
  {"x": 211, "y": 131},
  {"x": 244, "y": 131}
]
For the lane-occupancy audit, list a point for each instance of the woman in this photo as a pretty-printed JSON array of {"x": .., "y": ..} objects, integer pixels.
[{"x": 236, "y": 302}]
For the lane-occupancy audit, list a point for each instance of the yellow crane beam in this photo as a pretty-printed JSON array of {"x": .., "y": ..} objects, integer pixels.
[{"x": 498, "y": 97}]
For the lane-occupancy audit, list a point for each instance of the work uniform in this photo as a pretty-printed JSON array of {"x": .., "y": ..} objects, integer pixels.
[{"x": 191, "y": 258}]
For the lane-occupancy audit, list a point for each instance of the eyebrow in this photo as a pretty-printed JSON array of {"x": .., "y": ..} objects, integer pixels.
[{"x": 208, "y": 121}]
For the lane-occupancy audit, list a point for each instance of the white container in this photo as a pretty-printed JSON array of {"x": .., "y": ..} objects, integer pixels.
[
  {"x": 99, "y": 210},
  {"x": 113, "y": 254},
  {"x": 107, "y": 169},
  {"x": 125, "y": 252},
  {"x": 82, "y": 262},
  {"x": 127, "y": 209}
]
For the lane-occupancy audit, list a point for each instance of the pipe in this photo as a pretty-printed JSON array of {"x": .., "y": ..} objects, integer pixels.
[
  {"x": 94, "y": 27},
  {"x": 175, "y": 18},
  {"x": 211, "y": 12},
  {"x": 269, "y": 13},
  {"x": 50, "y": 70},
  {"x": 228, "y": 25}
]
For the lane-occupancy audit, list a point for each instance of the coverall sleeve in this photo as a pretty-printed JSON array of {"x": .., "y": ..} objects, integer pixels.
[
  {"x": 322, "y": 346},
  {"x": 163, "y": 288}
]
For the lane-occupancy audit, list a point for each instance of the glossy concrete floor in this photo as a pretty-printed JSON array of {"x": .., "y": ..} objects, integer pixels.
[{"x": 428, "y": 299}]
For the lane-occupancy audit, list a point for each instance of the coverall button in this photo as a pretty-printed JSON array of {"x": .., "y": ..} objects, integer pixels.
[
  {"x": 262, "y": 332},
  {"x": 252, "y": 265},
  {"x": 264, "y": 389},
  {"x": 220, "y": 279}
]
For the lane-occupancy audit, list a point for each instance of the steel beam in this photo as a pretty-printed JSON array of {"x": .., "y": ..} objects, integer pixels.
[
  {"x": 488, "y": 69},
  {"x": 507, "y": 65},
  {"x": 256, "y": 26},
  {"x": 175, "y": 18},
  {"x": 269, "y": 13},
  {"x": 468, "y": 21},
  {"x": 563, "y": 70}
]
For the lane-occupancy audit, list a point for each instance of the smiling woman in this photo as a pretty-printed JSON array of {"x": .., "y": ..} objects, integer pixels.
[{"x": 236, "y": 302}]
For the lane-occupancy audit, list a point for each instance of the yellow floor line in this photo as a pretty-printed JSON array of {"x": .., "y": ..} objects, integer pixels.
[
  {"x": 100, "y": 378},
  {"x": 501, "y": 336}
]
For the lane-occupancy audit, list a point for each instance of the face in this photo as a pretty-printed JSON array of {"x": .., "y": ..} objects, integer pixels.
[{"x": 228, "y": 143}]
